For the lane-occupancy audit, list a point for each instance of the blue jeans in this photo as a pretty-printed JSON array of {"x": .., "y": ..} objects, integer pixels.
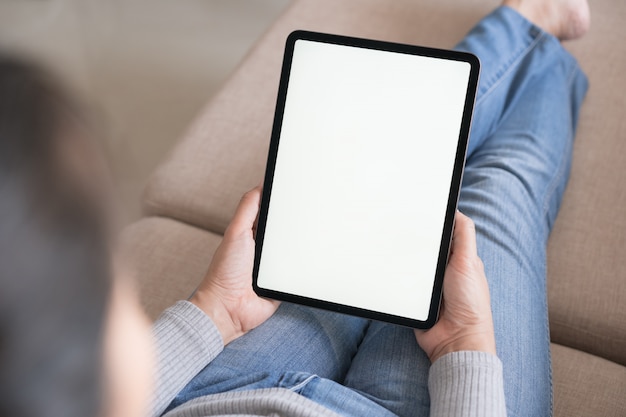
[{"x": 517, "y": 167}]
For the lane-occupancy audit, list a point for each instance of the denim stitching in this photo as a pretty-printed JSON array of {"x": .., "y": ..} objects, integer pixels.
[
  {"x": 302, "y": 384},
  {"x": 546, "y": 207}
]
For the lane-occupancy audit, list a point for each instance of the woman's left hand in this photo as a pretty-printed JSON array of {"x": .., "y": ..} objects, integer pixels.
[{"x": 226, "y": 293}]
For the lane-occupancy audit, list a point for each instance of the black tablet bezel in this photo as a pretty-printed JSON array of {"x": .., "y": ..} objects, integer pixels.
[{"x": 454, "y": 186}]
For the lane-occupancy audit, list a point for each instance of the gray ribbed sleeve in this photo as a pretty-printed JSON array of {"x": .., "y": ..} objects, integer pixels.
[
  {"x": 466, "y": 384},
  {"x": 186, "y": 341}
]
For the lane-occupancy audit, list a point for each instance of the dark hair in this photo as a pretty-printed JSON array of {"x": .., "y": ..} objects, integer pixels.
[{"x": 54, "y": 278}]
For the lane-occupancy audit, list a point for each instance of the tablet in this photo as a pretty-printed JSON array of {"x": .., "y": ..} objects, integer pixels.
[{"x": 363, "y": 176}]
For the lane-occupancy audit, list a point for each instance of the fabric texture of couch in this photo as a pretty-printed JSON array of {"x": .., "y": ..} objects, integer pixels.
[{"x": 194, "y": 192}]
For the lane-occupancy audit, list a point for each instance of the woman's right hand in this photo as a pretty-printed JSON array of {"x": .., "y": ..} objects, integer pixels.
[{"x": 465, "y": 321}]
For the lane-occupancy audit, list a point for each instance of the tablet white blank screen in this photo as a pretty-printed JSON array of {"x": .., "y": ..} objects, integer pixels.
[{"x": 362, "y": 177}]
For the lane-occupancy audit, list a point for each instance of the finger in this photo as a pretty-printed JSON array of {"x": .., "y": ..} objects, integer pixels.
[
  {"x": 246, "y": 212},
  {"x": 464, "y": 242}
]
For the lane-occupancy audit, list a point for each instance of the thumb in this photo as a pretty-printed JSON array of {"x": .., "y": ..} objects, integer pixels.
[
  {"x": 246, "y": 212},
  {"x": 464, "y": 237}
]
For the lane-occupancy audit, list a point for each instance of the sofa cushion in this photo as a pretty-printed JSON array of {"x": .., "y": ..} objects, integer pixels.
[
  {"x": 586, "y": 385},
  {"x": 169, "y": 259},
  {"x": 587, "y": 249}
]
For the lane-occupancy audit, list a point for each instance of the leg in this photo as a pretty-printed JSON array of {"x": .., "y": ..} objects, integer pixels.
[
  {"x": 391, "y": 370},
  {"x": 516, "y": 57},
  {"x": 505, "y": 43},
  {"x": 294, "y": 344},
  {"x": 502, "y": 41},
  {"x": 512, "y": 190}
]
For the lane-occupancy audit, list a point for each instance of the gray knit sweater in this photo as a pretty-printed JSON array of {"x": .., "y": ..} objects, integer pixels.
[{"x": 460, "y": 384}]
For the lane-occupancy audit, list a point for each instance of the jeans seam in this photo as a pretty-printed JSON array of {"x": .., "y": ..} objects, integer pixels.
[
  {"x": 302, "y": 384},
  {"x": 547, "y": 335},
  {"x": 546, "y": 207}
]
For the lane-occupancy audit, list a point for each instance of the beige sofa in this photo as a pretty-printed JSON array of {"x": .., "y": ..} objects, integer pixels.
[{"x": 192, "y": 195}]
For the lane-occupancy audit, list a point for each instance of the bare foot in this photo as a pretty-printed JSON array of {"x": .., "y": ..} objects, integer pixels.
[{"x": 565, "y": 19}]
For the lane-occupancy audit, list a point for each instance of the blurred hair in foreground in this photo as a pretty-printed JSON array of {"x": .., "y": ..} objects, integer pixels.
[{"x": 54, "y": 266}]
